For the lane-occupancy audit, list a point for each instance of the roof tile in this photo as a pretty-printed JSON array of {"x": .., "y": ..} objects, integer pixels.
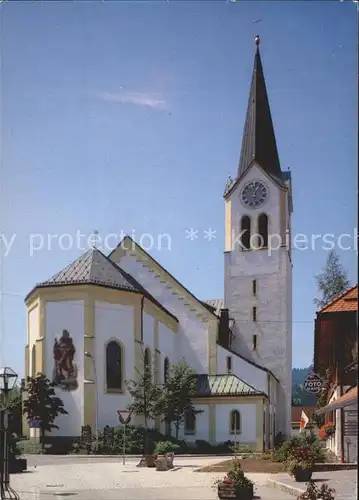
[
  {"x": 224, "y": 385},
  {"x": 346, "y": 302}
]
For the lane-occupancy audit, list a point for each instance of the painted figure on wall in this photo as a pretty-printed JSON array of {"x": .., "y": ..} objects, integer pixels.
[{"x": 65, "y": 369}]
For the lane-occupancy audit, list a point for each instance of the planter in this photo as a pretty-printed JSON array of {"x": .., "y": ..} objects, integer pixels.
[
  {"x": 302, "y": 475},
  {"x": 169, "y": 458},
  {"x": 151, "y": 460},
  {"x": 227, "y": 491},
  {"x": 17, "y": 465},
  {"x": 161, "y": 463}
]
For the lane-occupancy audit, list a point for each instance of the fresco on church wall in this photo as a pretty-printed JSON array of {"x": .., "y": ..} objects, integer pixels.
[{"x": 65, "y": 368}]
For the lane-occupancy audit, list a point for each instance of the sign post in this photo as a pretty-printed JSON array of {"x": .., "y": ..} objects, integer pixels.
[
  {"x": 313, "y": 383},
  {"x": 124, "y": 417}
]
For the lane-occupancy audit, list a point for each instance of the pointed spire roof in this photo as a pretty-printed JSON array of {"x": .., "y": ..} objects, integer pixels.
[{"x": 258, "y": 141}]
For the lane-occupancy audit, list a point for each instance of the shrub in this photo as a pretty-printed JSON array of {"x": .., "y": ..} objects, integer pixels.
[
  {"x": 282, "y": 454},
  {"x": 238, "y": 448},
  {"x": 314, "y": 492},
  {"x": 235, "y": 476},
  {"x": 163, "y": 447},
  {"x": 303, "y": 457}
]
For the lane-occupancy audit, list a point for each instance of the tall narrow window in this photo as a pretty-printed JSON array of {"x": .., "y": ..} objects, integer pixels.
[
  {"x": 229, "y": 364},
  {"x": 254, "y": 287},
  {"x": 254, "y": 342},
  {"x": 263, "y": 230},
  {"x": 166, "y": 369},
  {"x": 114, "y": 360},
  {"x": 246, "y": 232},
  {"x": 33, "y": 361},
  {"x": 147, "y": 362},
  {"x": 254, "y": 313},
  {"x": 189, "y": 422},
  {"x": 234, "y": 422}
]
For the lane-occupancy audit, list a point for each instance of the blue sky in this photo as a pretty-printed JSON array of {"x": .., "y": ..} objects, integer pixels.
[{"x": 122, "y": 116}]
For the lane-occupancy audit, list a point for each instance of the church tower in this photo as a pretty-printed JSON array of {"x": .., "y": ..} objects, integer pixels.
[{"x": 258, "y": 265}]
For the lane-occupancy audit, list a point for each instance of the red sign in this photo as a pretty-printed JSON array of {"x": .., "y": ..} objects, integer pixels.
[{"x": 124, "y": 416}]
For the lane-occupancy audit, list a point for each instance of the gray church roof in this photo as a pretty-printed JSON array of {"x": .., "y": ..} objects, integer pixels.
[
  {"x": 224, "y": 385},
  {"x": 94, "y": 268}
]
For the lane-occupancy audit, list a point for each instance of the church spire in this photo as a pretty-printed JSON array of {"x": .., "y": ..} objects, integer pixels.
[{"x": 258, "y": 141}]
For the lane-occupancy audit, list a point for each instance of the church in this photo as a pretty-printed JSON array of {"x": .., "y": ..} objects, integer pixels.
[{"x": 94, "y": 324}]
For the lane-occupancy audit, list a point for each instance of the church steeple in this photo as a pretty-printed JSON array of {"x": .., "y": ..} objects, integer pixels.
[{"x": 258, "y": 141}]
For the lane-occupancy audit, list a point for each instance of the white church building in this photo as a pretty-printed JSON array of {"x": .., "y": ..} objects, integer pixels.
[{"x": 92, "y": 324}]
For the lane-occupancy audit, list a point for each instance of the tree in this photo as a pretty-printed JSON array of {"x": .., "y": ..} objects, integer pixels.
[
  {"x": 178, "y": 392},
  {"x": 332, "y": 281},
  {"x": 146, "y": 397},
  {"x": 42, "y": 404},
  {"x": 15, "y": 411}
]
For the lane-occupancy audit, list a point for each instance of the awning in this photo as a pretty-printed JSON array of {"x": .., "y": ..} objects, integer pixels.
[{"x": 348, "y": 399}]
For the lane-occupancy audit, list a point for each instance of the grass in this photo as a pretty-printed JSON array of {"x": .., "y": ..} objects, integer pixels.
[{"x": 248, "y": 465}]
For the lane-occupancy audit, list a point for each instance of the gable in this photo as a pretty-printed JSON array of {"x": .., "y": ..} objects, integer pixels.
[{"x": 129, "y": 247}]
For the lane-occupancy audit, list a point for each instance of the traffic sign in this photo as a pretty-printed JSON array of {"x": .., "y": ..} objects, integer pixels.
[
  {"x": 313, "y": 383},
  {"x": 124, "y": 416},
  {"x": 35, "y": 423}
]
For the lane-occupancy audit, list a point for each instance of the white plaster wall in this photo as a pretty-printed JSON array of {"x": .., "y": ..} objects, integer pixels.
[
  {"x": 250, "y": 374},
  {"x": 166, "y": 346},
  {"x": 202, "y": 426},
  {"x": 113, "y": 321},
  {"x": 248, "y": 432},
  {"x": 59, "y": 316},
  {"x": 191, "y": 340},
  {"x": 33, "y": 335},
  {"x": 273, "y": 271}
]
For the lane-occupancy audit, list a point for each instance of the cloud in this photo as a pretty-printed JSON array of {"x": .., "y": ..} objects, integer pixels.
[{"x": 136, "y": 98}]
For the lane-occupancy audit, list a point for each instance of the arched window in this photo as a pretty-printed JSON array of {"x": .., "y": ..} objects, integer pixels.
[
  {"x": 189, "y": 422},
  {"x": 234, "y": 422},
  {"x": 263, "y": 230},
  {"x": 33, "y": 361},
  {"x": 114, "y": 366},
  {"x": 166, "y": 369},
  {"x": 246, "y": 232},
  {"x": 147, "y": 362}
]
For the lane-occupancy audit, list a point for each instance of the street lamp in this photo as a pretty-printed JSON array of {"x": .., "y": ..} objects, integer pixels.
[
  {"x": 89, "y": 355},
  {"x": 8, "y": 380}
]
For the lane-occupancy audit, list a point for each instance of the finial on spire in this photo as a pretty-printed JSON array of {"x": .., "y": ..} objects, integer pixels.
[{"x": 257, "y": 41}]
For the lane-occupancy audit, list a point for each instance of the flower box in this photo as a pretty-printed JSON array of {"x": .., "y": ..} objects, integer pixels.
[{"x": 226, "y": 490}]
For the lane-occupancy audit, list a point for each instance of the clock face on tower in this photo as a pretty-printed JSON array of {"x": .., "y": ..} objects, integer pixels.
[{"x": 254, "y": 194}]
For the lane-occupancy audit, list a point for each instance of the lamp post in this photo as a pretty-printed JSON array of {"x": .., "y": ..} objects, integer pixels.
[
  {"x": 8, "y": 380},
  {"x": 89, "y": 355}
]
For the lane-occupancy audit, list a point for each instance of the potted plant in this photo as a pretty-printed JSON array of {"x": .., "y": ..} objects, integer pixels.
[
  {"x": 314, "y": 492},
  {"x": 327, "y": 430},
  {"x": 300, "y": 462},
  {"x": 16, "y": 464},
  {"x": 167, "y": 448},
  {"x": 235, "y": 484}
]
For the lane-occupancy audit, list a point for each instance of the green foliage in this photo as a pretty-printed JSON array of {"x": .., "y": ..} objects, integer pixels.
[
  {"x": 310, "y": 440},
  {"x": 314, "y": 492},
  {"x": 177, "y": 394},
  {"x": 238, "y": 448},
  {"x": 332, "y": 281},
  {"x": 237, "y": 478},
  {"x": 15, "y": 411},
  {"x": 42, "y": 403},
  {"x": 163, "y": 447},
  {"x": 29, "y": 447},
  {"x": 14, "y": 450},
  {"x": 301, "y": 457}
]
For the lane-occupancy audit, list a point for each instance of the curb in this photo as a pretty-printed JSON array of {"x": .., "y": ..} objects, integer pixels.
[
  {"x": 119, "y": 456},
  {"x": 292, "y": 490}
]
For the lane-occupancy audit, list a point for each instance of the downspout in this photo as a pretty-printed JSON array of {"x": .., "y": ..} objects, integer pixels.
[{"x": 141, "y": 320}]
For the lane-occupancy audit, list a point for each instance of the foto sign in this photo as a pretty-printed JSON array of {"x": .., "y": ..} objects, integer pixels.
[{"x": 313, "y": 383}]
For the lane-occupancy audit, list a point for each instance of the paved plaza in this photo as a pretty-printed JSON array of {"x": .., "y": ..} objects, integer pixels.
[{"x": 107, "y": 479}]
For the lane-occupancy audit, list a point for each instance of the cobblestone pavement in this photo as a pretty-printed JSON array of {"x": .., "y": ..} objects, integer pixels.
[{"x": 111, "y": 480}]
